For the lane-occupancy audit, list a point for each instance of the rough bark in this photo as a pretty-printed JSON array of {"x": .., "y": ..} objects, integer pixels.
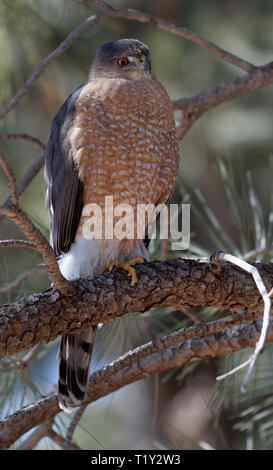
[
  {"x": 112, "y": 378},
  {"x": 175, "y": 283}
]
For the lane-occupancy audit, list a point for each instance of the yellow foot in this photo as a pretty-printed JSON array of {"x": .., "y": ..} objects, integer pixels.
[
  {"x": 128, "y": 266},
  {"x": 110, "y": 267}
]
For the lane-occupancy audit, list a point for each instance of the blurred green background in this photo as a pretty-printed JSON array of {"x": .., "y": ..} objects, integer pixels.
[{"x": 225, "y": 173}]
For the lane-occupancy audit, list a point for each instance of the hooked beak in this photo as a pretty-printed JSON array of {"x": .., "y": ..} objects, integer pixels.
[{"x": 145, "y": 64}]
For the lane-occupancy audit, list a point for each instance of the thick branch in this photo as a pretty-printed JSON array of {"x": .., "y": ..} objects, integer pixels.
[
  {"x": 210, "y": 345},
  {"x": 175, "y": 283}
]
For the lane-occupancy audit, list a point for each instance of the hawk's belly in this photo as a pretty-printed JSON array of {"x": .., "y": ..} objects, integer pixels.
[{"x": 125, "y": 145}]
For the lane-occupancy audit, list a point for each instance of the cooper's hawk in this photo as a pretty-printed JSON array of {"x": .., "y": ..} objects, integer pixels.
[{"x": 114, "y": 136}]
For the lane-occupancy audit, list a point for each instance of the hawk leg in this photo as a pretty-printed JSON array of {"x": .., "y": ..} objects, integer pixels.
[{"x": 128, "y": 266}]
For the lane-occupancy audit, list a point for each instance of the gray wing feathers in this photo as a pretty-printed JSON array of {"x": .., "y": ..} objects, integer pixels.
[
  {"x": 64, "y": 190},
  {"x": 64, "y": 201}
]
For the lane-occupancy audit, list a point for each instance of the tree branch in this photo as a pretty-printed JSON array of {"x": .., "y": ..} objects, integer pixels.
[
  {"x": 17, "y": 244},
  {"x": 131, "y": 15},
  {"x": 34, "y": 234},
  {"x": 194, "y": 107},
  {"x": 26, "y": 180},
  {"x": 12, "y": 183},
  {"x": 41, "y": 431},
  {"x": 104, "y": 382},
  {"x": 28, "y": 138},
  {"x": 21, "y": 278},
  {"x": 175, "y": 283}
]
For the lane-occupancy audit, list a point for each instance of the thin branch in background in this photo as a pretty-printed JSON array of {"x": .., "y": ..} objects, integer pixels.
[
  {"x": 131, "y": 15},
  {"x": 155, "y": 346},
  {"x": 17, "y": 244},
  {"x": 29, "y": 138},
  {"x": 27, "y": 178},
  {"x": 180, "y": 31},
  {"x": 177, "y": 337},
  {"x": 101, "y": 3},
  {"x": 21, "y": 278},
  {"x": 33, "y": 233},
  {"x": 31, "y": 173},
  {"x": 21, "y": 363},
  {"x": 266, "y": 316},
  {"x": 206, "y": 346},
  {"x": 41, "y": 431},
  {"x": 59, "y": 440},
  {"x": 64, "y": 45},
  {"x": 12, "y": 182},
  {"x": 7, "y": 211},
  {"x": 194, "y": 108},
  {"x": 29, "y": 356},
  {"x": 255, "y": 253},
  {"x": 71, "y": 429},
  {"x": 191, "y": 314},
  {"x": 36, "y": 236}
]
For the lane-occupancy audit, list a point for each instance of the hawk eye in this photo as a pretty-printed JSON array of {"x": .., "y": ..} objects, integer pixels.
[{"x": 123, "y": 61}]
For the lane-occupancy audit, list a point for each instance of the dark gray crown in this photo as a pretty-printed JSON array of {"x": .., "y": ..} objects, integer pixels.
[{"x": 120, "y": 48}]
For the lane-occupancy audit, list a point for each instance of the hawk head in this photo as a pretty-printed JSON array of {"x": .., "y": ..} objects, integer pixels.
[{"x": 125, "y": 58}]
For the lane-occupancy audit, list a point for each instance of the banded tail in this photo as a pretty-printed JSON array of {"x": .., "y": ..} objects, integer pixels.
[{"x": 74, "y": 364}]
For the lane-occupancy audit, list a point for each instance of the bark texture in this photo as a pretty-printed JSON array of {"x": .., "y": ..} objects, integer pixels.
[{"x": 175, "y": 283}]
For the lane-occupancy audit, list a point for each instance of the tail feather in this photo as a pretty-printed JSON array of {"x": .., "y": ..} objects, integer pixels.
[{"x": 74, "y": 364}]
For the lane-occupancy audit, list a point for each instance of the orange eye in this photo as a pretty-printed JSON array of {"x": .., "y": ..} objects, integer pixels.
[{"x": 123, "y": 61}]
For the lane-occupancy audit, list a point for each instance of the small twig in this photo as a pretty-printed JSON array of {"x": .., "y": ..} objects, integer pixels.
[
  {"x": 7, "y": 211},
  {"x": 266, "y": 316},
  {"x": 131, "y": 15},
  {"x": 72, "y": 427},
  {"x": 234, "y": 370},
  {"x": 30, "y": 174},
  {"x": 194, "y": 108},
  {"x": 17, "y": 244},
  {"x": 36, "y": 236},
  {"x": 29, "y": 356},
  {"x": 35, "y": 437},
  {"x": 255, "y": 253},
  {"x": 27, "y": 137},
  {"x": 59, "y": 440},
  {"x": 68, "y": 41},
  {"x": 191, "y": 314},
  {"x": 11, "y": 178},
  {"x": 21, "y": 363},
  {"x": 21, "y": 278},
  {"x": 101, "y": 3},
  {"x": 26, "y": 180}
]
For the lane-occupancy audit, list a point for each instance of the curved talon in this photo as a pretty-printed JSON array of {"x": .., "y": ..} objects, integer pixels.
[
  {"x": 128, "y": 266},
  {"x": 110, "y": 267}
]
